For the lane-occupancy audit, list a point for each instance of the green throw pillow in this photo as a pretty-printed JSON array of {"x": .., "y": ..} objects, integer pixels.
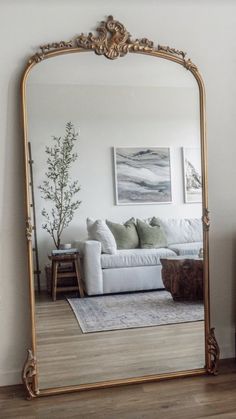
[
  {"x": 126, "y": 235},
  {"x": 150, "y": 236}
]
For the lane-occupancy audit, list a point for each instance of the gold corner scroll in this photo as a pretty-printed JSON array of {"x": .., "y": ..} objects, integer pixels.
[
  {"x": 206, "y": 219},
  {"x": 29, "y": 229},
  {"x": 187, "y": 63},
  {"x": 28, "y": 374},
  {"x": 214, "y": 352}
]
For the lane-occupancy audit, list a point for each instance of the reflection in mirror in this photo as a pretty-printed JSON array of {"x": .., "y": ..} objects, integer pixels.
[{"x": 118, "y": 252}]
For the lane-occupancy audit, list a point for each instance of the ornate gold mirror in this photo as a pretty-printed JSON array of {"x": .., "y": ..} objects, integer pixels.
[{"x": 117, "y": 214}]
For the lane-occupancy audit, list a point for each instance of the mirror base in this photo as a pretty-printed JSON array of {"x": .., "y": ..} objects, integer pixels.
[{"x": 117, "y": 383}]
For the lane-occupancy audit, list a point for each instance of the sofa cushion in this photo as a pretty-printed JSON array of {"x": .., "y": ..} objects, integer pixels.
[
  {"x": 150, "y": 236},
  {"x": 126, "y": 235},
  {"x": 135, "y": 257},
  {"x": 184, "y": 249},
  {"x": 98, "y": 230},
  {"x": 181, "y": 230}
]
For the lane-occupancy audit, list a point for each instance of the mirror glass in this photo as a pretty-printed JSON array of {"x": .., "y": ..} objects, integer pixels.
[{"x": 116, "y": 195}]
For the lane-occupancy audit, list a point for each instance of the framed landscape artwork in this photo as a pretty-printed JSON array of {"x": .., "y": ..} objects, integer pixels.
[
  {"x": 142, "y": 175},
  {"x": 192, "y": 175}
]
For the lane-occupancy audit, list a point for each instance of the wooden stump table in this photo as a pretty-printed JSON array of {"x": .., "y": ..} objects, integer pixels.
[{"x": 183, "y": 277}]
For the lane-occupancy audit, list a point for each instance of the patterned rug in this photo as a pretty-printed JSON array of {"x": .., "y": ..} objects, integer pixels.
[{"x": 127, "y": 311}]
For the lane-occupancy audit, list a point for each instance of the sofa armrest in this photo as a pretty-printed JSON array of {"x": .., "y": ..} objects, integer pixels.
[{"x": 92, "y": 267}]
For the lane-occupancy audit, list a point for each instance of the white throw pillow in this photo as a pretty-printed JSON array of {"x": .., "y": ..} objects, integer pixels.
[
  {"x": 182, "y": 230},
  {"x": 98, "y": 230}
]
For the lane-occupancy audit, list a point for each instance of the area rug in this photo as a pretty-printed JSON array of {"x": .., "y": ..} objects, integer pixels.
[{"x": 127, "y": 311}]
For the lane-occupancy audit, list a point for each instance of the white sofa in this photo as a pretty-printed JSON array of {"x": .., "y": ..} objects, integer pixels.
[{"x": 138, "y": 269}]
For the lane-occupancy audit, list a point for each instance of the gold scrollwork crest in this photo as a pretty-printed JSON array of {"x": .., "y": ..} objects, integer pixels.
[
  {"x": 28, "y": 374},
  {"x": 214, "y": 352},
  {"x": 112, "y": 41}
]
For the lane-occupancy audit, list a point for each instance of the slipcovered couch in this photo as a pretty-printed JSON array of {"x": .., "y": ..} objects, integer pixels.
[{"x": 138, "y": 269}]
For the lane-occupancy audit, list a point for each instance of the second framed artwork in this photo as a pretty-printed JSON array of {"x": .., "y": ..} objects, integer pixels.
[
  {"x": 142, "y": 175},
  {"x": 192, "y": 175}
]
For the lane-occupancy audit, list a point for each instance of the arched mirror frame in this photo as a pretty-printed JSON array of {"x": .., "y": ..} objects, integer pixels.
[{"x": 113, "y": 41}]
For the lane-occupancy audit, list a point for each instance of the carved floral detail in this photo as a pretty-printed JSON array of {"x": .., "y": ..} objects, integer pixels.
[
  {"x": 113, "y": 41},
  {"x": 189, "y": 65},
  {"x": 28, "y": 374},
  {"x": 171, "y": 51},
  {"x": 29, "y": 229},
  {"x": 206, "y": 219},
  {"x": 39, "y": 56},
  {"x": 214, "y": 351}
]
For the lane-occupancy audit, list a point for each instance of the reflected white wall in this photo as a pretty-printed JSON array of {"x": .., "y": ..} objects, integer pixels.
[{"x": 107, "y": 117}]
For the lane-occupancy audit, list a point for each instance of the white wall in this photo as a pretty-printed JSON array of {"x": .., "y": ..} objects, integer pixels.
[{"x": 207, "y": 31}]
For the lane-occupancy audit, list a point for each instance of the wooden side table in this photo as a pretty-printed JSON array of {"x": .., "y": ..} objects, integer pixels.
[
  {"x": 183, "y": 277},
  {"x": 58, "y": 271}
]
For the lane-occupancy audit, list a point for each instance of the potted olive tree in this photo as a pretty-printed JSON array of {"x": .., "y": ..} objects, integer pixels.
[{"x": 58, "y": 188}]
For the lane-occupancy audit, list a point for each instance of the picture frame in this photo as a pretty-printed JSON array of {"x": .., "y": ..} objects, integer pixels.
[
  {"x": 192, "y": 175},
  {"x": 139, "y": 179}
]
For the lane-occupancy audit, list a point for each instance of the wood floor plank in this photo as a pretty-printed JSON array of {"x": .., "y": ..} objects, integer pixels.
[
  {"x": 66, "y": 356},
  {"x": 187, "y": 398}
]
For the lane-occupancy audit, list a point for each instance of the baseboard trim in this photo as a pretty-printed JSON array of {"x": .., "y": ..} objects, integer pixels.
[{"x": 10, "y": 378}]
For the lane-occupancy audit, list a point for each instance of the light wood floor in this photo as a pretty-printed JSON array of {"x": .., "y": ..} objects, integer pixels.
[
  {"x": 186, "y": 398},
  {"x": 66, "y": 356}
]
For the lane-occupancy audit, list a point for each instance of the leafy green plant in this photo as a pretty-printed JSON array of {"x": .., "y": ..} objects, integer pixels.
[{"x": 58, "y": 188}]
